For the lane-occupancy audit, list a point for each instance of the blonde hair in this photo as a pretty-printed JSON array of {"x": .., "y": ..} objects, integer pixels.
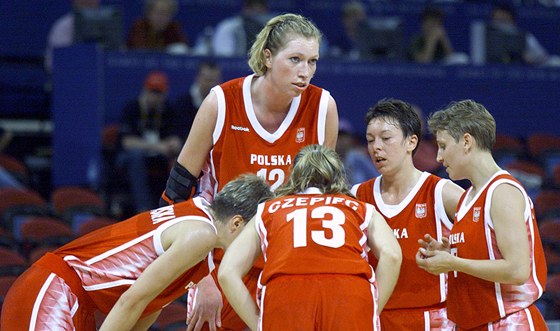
[
  {"x": 316, "y": 166},
  {"x": 466, "y": 116},
  {"x": 276, "y": 34}
]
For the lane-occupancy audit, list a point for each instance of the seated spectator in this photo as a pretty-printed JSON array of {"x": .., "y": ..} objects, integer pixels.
[
  {"x": 432, "y": 43},
  {"x": 503, "y": 17},
  {"x": 157, "y": 30},
  {"x": 235, "y": 35},
  {"x": 344, "y": 45},
  {"x": 150, "y": 129},
  {"x": 6, "y": 178},
  {"x": 354, "y": 154},
  {"x": 61, "y": 33},
  {"x": 208, "y": 75},
  {"x": 425, "y": 158}
]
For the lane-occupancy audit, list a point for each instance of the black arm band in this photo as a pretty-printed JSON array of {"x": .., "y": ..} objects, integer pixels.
[{"x": 181, "y": 186}]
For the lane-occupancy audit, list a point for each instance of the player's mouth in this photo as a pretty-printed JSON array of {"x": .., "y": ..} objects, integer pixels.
[{"x": 301, "y": 86}]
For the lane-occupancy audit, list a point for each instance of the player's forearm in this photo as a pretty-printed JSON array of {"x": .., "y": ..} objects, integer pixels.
[
  {"x": 499, "y": 271},
  {"x": 145, "y": 323},
  {"x": 387, "y": 274},
  {"x": 123, "y": 316},
  {"x": 240, "y": 299}
]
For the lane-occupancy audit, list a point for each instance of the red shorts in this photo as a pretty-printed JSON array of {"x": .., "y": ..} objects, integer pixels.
[
  {"x": 47, "y": 300},
  {"x": 414, "y": 319},
  {"x": 319, "y": 302},
  {"x": 527, "y": 319}
]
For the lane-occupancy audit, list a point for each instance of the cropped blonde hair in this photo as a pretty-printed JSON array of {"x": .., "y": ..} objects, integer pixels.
[
  {"x": 276, "y": 34},
  {"x": 466, "y": 116}
]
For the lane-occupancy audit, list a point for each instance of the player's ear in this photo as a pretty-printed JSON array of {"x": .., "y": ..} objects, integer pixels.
[
  {"x": 267, "y": 58},
  {"x": 236, "y": 223}
]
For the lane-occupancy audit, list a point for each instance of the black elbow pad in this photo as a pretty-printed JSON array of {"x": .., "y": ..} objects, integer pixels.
[{"x": 181, "y": 186}]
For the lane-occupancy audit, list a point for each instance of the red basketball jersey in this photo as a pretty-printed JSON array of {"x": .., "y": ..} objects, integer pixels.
[
  {"x": 314, "y": 233},
  {"x": 473, "y": 237},
  {"x": 421, "y": 212},
  {"x": 110, "y": 259},
  {"x": 242, "y": 145}
]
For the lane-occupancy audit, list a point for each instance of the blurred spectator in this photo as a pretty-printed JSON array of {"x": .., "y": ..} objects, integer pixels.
[
  {"x": 208, "y": 75},
  {"x": 354, "y": 154},
  {"x": 235, "y": 35},
  {"x": 6, "y": 178},
  {"x": 150, "y": 131},
  {"x": 503, "y": 17},
  {"x": 344, "y": 45},
  {"x": 425, "y": 158},
  {"x": 61, "y": 33},
  {"x": 432, "y": 43},
  {"x": 158, "y": 30}
]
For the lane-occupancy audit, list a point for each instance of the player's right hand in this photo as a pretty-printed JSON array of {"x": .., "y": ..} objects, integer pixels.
[{"x": 207, "y": 307}]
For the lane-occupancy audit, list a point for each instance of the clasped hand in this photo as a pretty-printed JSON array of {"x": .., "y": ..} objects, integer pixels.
[{"x": 434, "y": 256}]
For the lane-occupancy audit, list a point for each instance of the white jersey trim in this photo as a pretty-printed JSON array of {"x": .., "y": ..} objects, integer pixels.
[
  {"x": 440, "y": 207},
  {"x": 220, "y": 120},
  {"x": 261, "y": 229},
  {"x": 202, "y": 205},
  {"x": 441, "y": 219},
  {"x": 393, "y": 210},
  {"x": 250, "y": 111},
  {"x": 322, "y": 119},
  {"x": 39, "y": 300}
]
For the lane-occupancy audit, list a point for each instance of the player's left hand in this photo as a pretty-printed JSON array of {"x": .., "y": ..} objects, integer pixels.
[
  {"x": 207, "y": 306},
  {"x": 434, "y": 261}
]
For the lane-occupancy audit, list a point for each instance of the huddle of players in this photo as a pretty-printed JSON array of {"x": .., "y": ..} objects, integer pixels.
[{"x": 403, "y": 251}]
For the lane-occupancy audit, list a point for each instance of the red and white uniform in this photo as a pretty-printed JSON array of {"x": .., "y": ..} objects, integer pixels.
[
  {"x": 506, "y": 306},
  {"x": 418, "y": 300},
  {"x": 63, "y": 289},
  {"x": 308, "y": 240},
  {"x": 242, "y": 145}
]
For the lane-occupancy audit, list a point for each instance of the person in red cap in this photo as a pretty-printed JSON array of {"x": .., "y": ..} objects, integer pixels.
[{"x": 151, "y": 132}]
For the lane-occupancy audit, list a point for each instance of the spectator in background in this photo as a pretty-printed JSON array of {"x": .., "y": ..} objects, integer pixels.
[
  {"x": 61, "y": 33},
  {"x": 344, "y": 45},
  {"x": 6, "y": 178},
  {"x": 432, "y": 43},
  {"x": 150, "y": 129},
  {"x": 425, "y": 157},
  {"x": 235, "y": 35},
  {"x": 359, "y": 167},
  {"x": 157, "y": 30},
  {"x": 503, "y": 17},
  {"x": 208, "y": 75}
]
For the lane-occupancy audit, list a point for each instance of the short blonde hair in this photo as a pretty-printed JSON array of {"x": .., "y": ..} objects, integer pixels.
[
  {"x": 466, "y": 116},
  {"x": 276, "y": 34}
]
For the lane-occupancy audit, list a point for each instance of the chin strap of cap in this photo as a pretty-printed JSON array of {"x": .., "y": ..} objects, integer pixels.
[{"x": 181, "y": 186}]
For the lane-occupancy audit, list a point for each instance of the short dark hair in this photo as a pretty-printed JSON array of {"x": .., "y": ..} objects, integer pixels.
[
  {"x": 434, "y": 13},
  {"x": 402, "y": 113},
  {"x": 506, "y": 7}
]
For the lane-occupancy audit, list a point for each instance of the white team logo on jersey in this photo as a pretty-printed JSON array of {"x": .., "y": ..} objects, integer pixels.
[
  {"x": 476, "y": 214},
  {"x": 421, "y": 210},
  {"x": 300, "y": 136}
]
